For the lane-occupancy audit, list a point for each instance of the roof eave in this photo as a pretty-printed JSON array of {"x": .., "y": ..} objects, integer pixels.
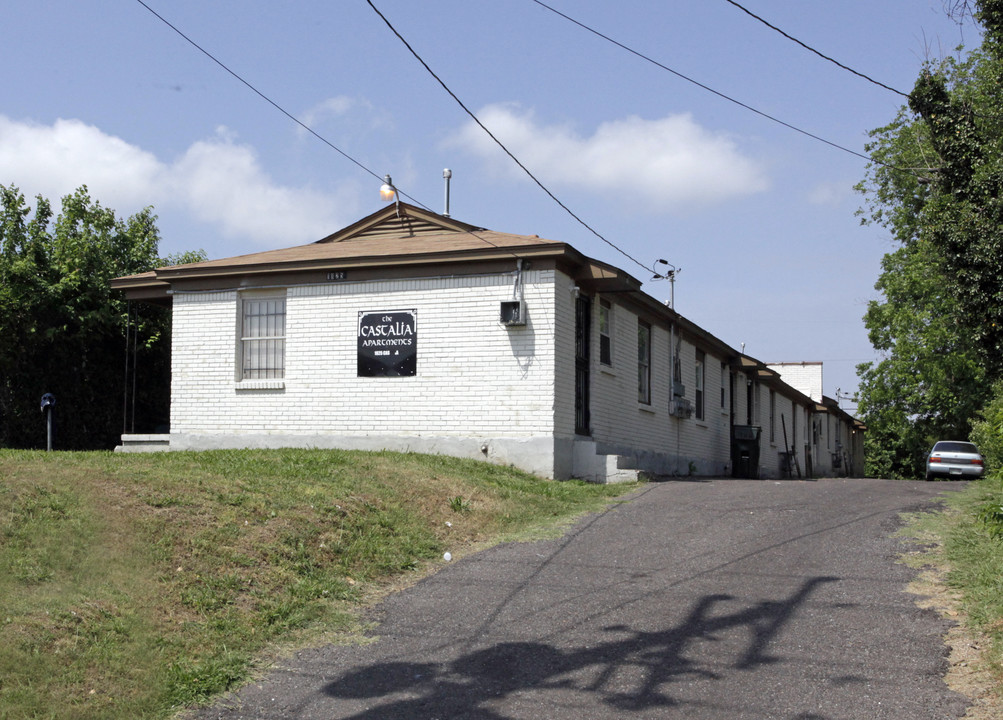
[
  {"x": 193, "y": 272},
  {"x": 144, "y": 286}
]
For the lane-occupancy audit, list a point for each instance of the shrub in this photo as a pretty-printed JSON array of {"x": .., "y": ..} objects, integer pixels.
[{"x": 987, "y": 431}]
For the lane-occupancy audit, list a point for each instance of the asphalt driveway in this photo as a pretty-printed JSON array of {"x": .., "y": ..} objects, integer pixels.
[{"x": 718, "y": 600}]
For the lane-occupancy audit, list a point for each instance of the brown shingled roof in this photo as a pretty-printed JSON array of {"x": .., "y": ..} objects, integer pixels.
[
  {"x": 395, "y": 235},
  {"x": 365, "y": 251}
]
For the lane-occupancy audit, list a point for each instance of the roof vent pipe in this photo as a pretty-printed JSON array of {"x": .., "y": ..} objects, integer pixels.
[{"x": 447, "y": 174}]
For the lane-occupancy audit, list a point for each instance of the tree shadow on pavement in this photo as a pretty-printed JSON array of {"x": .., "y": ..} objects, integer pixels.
[{"x": 632, "y": 673}]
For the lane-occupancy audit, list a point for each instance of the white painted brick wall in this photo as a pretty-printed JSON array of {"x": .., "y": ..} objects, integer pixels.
[
  {"x": 563, "y": 331},
  {"x": 203, "y": 340},
  {"x": 772, "y": 447},
  {"x": 474, "y": 376},
  {"x": 804, "y": 377},
  {"x": 621, "y": 423}
]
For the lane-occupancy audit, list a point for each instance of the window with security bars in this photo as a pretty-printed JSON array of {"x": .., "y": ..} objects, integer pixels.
[{"x": 263, "y": 338}]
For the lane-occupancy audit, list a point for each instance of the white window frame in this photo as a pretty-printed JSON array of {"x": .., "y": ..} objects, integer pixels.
[
  {"x": 724, "y": 386},
  {"x": 699, "y": 395},
  {"x": 773, "y": 416},
  {"x": 644, "y": 362},
  {"x": 261, "y": 337}
]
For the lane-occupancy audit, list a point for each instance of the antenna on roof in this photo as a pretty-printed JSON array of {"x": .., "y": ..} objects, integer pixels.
[{"x": 447, "y": 174}]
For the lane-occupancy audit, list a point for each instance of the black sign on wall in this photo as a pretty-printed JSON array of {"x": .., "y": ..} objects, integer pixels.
[{"x": 388, "y": 344}]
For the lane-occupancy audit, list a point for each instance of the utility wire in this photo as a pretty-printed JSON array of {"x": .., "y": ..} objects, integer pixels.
[
  {"x": 701, "y": 85},
  {"x": 502, "y": 146},
  {"x": 813, "y": 50},
  {"x": 273, "y": 103}
]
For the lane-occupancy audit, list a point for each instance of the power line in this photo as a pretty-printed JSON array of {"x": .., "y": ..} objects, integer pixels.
[
  {"x": 813, "y": 50},
  {"x": 272, "y": 102},
  {"x": 297, "y": 120},
  {"x": 501, "y": 145},
  {"x": 701, "y": 85}
]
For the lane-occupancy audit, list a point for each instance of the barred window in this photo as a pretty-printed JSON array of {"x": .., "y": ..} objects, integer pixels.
[{"x": 263, "y": 338}]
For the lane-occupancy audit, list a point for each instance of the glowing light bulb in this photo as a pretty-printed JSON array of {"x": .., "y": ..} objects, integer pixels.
[{"x": 387, "y": 190}]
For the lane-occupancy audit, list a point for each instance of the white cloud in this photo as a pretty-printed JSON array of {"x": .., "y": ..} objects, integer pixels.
[
  {"x": 353, "y": 115},
  {"x": 54, "y": 160},
  {"x": 217, "y": 181},
  {"x": 332, "y": 108},
  {"x": 832, "y": 194},
  {"x": 670, "y": 164},
  {"x": 222, "y": 183}
]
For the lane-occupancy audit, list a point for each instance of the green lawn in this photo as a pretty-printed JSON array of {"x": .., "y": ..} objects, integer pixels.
[{"x": 133, "y": 585}]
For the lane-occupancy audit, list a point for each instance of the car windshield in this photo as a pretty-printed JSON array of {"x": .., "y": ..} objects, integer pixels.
[{"x": 957, "y": 447}]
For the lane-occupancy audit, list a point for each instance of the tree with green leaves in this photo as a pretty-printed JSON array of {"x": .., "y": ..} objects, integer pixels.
[
  {"x": 929, "y": 383},
  {"x": 62, "y": 328},
  {"x": 934, "y": 183},
  {"x": 963, "y": 213}
]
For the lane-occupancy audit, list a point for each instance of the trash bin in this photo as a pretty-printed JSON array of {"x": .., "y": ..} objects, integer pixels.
[
  {"x": 786, "y": 464},
  {"x": 745, "y": 451}
]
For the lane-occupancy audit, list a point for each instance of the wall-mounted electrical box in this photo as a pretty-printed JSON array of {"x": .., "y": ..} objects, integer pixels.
[
  {"x": 680, "y": 408},
  {"x": 513, "y": 312}
]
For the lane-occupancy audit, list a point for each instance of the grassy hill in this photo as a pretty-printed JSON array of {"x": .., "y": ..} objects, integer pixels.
[{"x": 132, "y": 585}]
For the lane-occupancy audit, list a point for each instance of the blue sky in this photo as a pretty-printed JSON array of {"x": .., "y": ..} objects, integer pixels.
[{"x": 759, "y": 218}]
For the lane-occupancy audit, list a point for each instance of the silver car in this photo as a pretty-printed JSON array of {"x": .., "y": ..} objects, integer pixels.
[{"x": 954, "y": 459}]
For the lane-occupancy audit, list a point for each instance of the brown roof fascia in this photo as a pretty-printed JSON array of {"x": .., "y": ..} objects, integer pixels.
[
  {"x": 789, "y": 391},
  {"x": 665, "y": 316},
  {"x": 599, "y": 277},
  {"x": 768, "y": 377},
  {"x": 746, "y": 363},
  {"x": 832, "y": 407},
  {"x": 139, "y": 280},
  {"x": 182, "y": 272},
  {"x": 144, "y": 286},
  {"x": 707, "y": 340},
  {"x": 771, "y": 378}
]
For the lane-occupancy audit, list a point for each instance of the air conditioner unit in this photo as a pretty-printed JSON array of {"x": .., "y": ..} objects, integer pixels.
[
  {"x": 681, "y": 408},
  {"x": 513, "y": 312}
]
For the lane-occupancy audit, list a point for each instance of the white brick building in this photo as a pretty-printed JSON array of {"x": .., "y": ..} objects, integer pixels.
[{"x": 412, "y": 331}]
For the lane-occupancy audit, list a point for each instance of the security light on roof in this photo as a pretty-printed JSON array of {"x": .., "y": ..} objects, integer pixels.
[{"x": 387, "y": 190}]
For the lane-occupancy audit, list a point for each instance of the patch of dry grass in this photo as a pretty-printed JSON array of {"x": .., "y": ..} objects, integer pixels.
[{"x": 961, "y": 563}]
